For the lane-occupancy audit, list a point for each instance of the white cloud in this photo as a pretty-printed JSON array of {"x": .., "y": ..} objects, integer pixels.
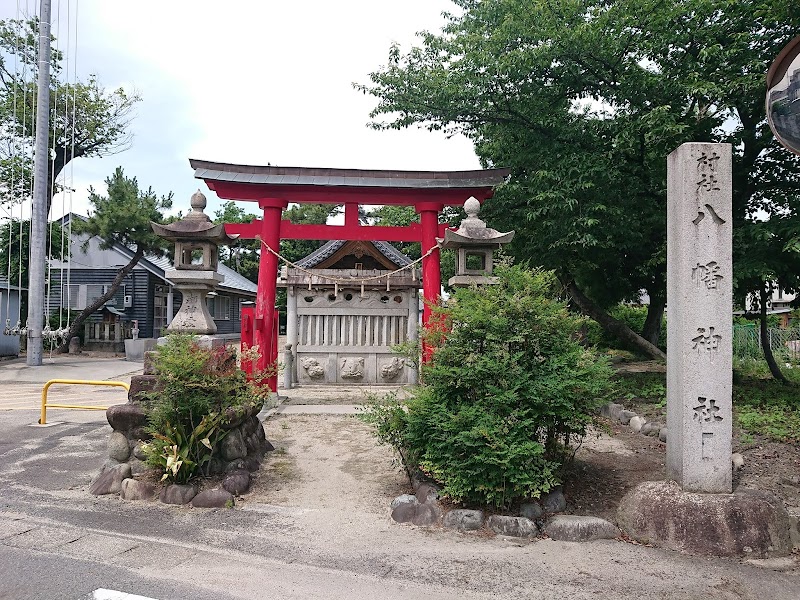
[{"x": 251, "y": 82}]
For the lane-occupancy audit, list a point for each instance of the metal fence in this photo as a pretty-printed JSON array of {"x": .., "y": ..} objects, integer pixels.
[{"x": 785, "y": 343}]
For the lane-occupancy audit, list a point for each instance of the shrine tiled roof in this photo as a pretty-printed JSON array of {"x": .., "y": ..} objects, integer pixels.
[
  {"x": 305, "y": 176},
  {"x": 329, "y": 249}
]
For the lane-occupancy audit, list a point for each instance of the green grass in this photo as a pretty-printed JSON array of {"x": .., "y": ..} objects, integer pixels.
[{"x": 762, "y": 406}]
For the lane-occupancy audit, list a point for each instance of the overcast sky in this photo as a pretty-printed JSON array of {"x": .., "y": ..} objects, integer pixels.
[{"x": 248, "y": 82}]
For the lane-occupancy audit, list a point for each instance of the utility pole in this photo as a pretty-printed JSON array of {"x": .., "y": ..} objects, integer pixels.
[{"x": 41, "y": 160}]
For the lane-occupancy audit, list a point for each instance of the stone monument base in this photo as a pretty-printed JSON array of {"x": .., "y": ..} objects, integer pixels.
[
  {"x": 747, "y": 523},
  {"x": 135, "y": 349}
]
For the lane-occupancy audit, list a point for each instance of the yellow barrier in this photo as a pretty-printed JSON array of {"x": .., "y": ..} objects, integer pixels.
[{"x": 43, "y": 418}]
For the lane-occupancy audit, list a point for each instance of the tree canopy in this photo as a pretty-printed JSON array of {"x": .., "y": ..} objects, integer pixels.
[
  {"x": 122, "y": 216},
  {"x": 584, "y": 100},
  {"x": 85, "y": 118}
]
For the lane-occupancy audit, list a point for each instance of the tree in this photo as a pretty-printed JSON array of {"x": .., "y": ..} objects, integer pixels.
[
  {"x": 122, "y": 217},
  {"x": 583, "y": 101},
  {"x": 242, "y": 255},
  {"x": 85, "y": 119}
]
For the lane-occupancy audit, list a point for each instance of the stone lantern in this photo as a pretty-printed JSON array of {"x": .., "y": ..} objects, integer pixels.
[
  {"x": 194, "y": 274},
  {"x": 475, "y": 244}
]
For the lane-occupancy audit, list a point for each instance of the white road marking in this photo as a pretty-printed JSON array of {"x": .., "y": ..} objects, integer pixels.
[{"x": 104, "y": 594}]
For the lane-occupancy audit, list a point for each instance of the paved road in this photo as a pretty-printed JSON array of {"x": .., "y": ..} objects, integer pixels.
[{"x": 57, "y": 541}]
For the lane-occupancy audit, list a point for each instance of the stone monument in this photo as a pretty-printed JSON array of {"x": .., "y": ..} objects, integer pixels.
[
  {"x": 696, "y": 511},
  {"x": 195, "y": 274},
  {"x": 699, "y": 317}
]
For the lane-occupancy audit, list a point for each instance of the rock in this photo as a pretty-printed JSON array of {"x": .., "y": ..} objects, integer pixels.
[
  {"x": 404, "y": 508},
  {"x": 124, "y": 417},
  {"x": 636, "y": 423},
  {"x": 140, "y": 385},
  {"x": 748, "y": 523},
  {"x": 251, "y": 463},
  {"x": 74, "y": 345},
  {"x": 109, "y": 481},
  {"x": 252, "y": 443},
  {"x": 463, "y": 520},
  {"x": 235, "y": 465},
  {"x": 573, "y": 528},
  {"x": 232, "y": 446},
  {"x": 237, "y": 482},
  {"x": 215, "y": 498},
  {"x": 250, "y": 425},
  {"x": 138, "y": 452},
  {"x": 403, "y": 499},
  {"x": 427, "y": 514},
  {"x": 427, "y": 492},
  {"x": 554, "y": 501},
  {"x": 268, "y": 447},
  {"x": 531, "y": 510},
  {"x": 131, "y": 489},
  {"x": 662, "y": 434},
  {"x": 138, "y": 466},
  {"x": 611, "y": 410},
  {"x": 794, "y": 531},
  {"x": 217, "y": 465},
  {"x": 650, "y": 429},
  {"x": 737, "y": 461},
  {"x": 178, "y": 493},
  {"x": 260, "y": 433},
  {"x": 140, "y": 434},
  {"x": 233, "y": 418},
  {"x": 512, "y": 526},
  {"x": 118, "y": 447},
  {"x": 625, "y": 416}
]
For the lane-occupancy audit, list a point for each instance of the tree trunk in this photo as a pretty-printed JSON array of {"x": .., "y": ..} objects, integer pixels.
[
  {"x": 655, "y": 316},
  {"x": 612, "y": 325},
  {"x": 87, "y": 312},
  {"x": 765, "y": 345}
]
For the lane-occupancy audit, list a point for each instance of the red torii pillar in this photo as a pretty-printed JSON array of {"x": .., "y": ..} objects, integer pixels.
[{"x": 431, "y": 266}]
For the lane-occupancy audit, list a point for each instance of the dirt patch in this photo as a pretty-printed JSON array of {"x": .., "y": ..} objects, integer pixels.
[{"x": 327, "y": 462}]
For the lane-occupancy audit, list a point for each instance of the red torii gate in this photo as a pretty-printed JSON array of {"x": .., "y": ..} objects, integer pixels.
[{"x": 274, "y": 188}]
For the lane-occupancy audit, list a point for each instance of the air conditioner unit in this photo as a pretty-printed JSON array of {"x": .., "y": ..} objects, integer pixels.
[{"x": 127, "y": 301}]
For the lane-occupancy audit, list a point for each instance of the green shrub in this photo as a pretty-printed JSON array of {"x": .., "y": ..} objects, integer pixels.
[
  {"x": 198, "y": 391},
  {"x": 507, "y": 386}
]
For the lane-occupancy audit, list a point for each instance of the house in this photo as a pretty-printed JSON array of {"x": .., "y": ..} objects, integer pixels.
[{"x": 146, "y": 295}]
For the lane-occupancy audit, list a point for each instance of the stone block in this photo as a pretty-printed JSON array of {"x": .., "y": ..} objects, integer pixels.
[
  {"x": 141, "y": 384},
  {"x": 110, "y": 479},
  {"x": 149, "y": 363},
  {"x": 699, "y": 327},
  {"x": 215, "y": 498},
  {"x": 662, "y": 434},
  {"x": 611, "y": 410},
  {"x": 651, "y": 429},
  {"x": 625, "y": 416},
  {"x": 125, "y": 417},
  {"x": 136, "y": 349},
  {"x": 118, "y": 447},
  {"x": 531, "y": 510},
  {"x": 463, "y": 520},
  {"x": 737, "y": 461},
  {"x": 178, "y": 494},
  {"x": 131, "y": 489},
  {"x": 573, "y": 528},
  {"x": 748, "y": 523},
  {"x": 512, "y": 526},
  {"x": 427, "y": 492}
]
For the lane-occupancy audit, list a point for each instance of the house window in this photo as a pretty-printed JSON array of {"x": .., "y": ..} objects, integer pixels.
[
  {"x": 220, "y": 308},
  {"x": 73, "y": 297}
]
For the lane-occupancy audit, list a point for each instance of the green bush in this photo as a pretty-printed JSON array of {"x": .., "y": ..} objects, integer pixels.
[
  {"x": 507, "y": 387},
  {"x": 198, "y": 391}
]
